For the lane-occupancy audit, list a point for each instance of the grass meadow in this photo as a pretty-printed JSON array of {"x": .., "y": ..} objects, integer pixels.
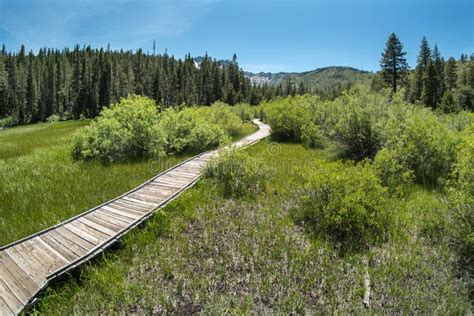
[
  {"x": 210, "y": 254},
  {"x": 41, "y": 185}
]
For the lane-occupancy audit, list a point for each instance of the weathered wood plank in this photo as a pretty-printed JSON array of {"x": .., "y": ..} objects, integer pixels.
[
  {"x": 48, "y": 255},
  {"x": 181, "y": 175},
  {"x": 117, "y": 216},
  {"x": 128, "y": 207},
  {"x": 83, "y": 233},
  {"x": 126, "y": 213},
  {"x": 4, "y": 309},
  {"x": 106, "y": 231},
  {"x": 76, "y": 239},
  {"x": 27, "y": 266},
  {"x": 142, "y": 196},
  {"x": 140, "y": 201},
  {"x": 66, "y": 243},
  {"x": 191, "y": 169},
  {"x": 16, "y": 287},
  {"x": 13, "y": 303},
  {"x": 157, "y": 193},
  {"x": 19, "y": 277},
  {"x": 91, "y": 231},
  {"x": 137, "y": 207},
  {"x": 99, "y": 221},
  {"x": 112, "y": 218},
  {"x": 58, "y": 248},
  {"x": 30, "y": 255},
  {"x": 168, "y": 178},
  {"x": 165, "y": 184}
]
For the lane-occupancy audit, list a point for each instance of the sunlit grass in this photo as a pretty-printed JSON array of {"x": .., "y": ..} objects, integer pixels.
[
  {"x": 204, "y": 253},
  {"x": 41, "y": 185}
]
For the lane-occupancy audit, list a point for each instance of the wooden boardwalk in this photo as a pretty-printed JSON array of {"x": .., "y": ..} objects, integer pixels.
[{"x": 29, "y": 264}]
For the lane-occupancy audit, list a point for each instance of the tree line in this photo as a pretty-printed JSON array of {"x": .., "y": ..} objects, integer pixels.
[
  {"x": 79, "y": 82},
  {"x": 447, "y": 85}
]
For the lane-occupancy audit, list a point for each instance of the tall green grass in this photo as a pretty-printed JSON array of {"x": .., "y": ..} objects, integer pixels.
[
  {"x": 40, "y": 185},
  {"x": 210, "y": 254}
]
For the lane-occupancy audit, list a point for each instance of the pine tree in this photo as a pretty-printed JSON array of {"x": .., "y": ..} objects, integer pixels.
[
  {"x": 424, "y": 56},
  {"x": 105, "y": 88},
  {"x": 439, "y": 75},
  {"x": 4, "y": 89},
  {"x": 288, "y": 86},
  {"x": 425, "y": 53},
  {"x": 157, "y": 85},
  {"x": 450, "y": 74},
  {"x": 34, "y": 87},
  {"x": 12, "y": 105},
  {"x": 51, "y": 105},
  {"x": 32, "y": 97},
  {"x": 430, "y": 85},
  {"x": 393, "y": 63},
  {"x": 216, "y": 84},
  {"x": 301, "y": 88}
]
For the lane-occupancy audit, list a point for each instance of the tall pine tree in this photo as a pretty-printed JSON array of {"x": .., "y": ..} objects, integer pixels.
[
  {"x": 424, "y": 57},
  {"x": 393, "y": 63}
]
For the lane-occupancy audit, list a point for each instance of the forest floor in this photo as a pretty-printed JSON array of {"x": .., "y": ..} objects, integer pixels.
[{"x": 207, "y": 253}]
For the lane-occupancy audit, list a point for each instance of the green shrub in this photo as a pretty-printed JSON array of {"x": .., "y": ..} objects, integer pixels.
[
  {"x": 457, "y": 121},
  {"x": 221, "y": 114},
  {"x": 206, "y": 136},
  {"x": 393, "y": 171},
  {"x": 359, "y": 118},
  {"x": 286, "y": 117},
  {"x": 238, "y": 173},
  {"x": 344, "y": 204},
  {"x": 246, "y": 112},
  {"x": 464, "y": 165},
  {"x": 125, "y": 130},
  {"x": 190, "y": 130},
  {"x": 8, "y": 121},
  {"x": 53, "y": 118},
  {"x": 461, "y": 197},
  {"x": 418, "y": 146},
  {"x": 312, "y": 136}
]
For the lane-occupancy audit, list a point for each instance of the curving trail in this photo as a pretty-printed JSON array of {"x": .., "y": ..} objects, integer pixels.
[{"x": 29, "y": 264}]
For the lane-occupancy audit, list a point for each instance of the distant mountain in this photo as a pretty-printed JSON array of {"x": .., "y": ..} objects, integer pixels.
[
  {"x": 321, "y": 79},
  {"x": 327, "y": 79}
]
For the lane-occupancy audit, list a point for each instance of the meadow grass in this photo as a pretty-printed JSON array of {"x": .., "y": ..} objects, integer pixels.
[
  {"x": 205, "y": 253},
  {"x": 41, "y": 185}
]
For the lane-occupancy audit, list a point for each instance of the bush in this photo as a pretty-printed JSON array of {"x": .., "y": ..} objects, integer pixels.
[
  {"x": 190, "y": 130},
  {"x": 8, "y": 121},
  {"x": 246, "y": 112},
  {"x": 344, "y": 204},
  {"x": 286, "y": 117},
  {"x": 53, "y": 118},
  {"x": 458, "y": 121},
  {"x": 125, "y": 130},
  {"x": 238, "y": 173},
  {"x": 418, "y": 146},
  {"x": 221, "y": 114},
  {"x": 313, "y": 136},
  {"x": 359, "y": 118},
  {"x": 134, "y": 129},
  {"x": 206, "y": 136},
  {"x": 461, "y": 197}
]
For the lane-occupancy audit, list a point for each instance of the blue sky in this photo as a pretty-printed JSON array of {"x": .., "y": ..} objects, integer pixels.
[{"x": 277, "y": 35}]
